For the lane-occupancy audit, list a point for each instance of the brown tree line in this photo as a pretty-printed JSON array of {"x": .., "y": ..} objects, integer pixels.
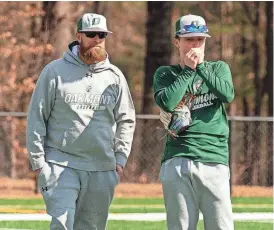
[{"x": 242, "y": 35}]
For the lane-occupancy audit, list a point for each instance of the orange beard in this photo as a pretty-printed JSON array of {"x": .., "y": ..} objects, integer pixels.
[{"x": 95, "y": 54}]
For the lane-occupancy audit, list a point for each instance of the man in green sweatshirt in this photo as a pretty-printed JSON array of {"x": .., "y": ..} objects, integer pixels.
[
  {"x": 80, "y": 127},
  {"x": 194, "y": 172}
]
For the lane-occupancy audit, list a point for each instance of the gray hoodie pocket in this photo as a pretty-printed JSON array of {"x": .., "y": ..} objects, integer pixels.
[{"x": 92, "y": 140}]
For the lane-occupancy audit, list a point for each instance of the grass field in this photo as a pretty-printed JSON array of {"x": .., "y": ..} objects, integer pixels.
[
  {"x": 129, "y": 225},
  {"x": 136, "y": 205},
  {"x": 133, "y": 205}
]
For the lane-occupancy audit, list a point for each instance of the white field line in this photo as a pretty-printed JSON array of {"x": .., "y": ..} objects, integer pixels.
[{"x": 138, "y": 217}]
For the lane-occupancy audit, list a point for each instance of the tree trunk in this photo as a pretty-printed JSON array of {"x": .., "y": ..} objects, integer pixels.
[
  {"x": 226, "y": 41},
  {"x": 48, "y": 20},
  {"x": 257, "y": 110},
  {"x": 100, "y": 8},
  {"x": 64, "y": 25},
  {"x": 246, "y": 178},
  {"x": 158, "y": 53},
  {"x": 247, "y": 161},
  {"x": 13, "y": 161},
  {"x": 269, "y": 86},
  {"x": 226, "y": 55},
  {"x": 253, "y": 11},
  {"x": 158, "y": 48},
  {"x": 256, "y": 60},
  {"x": 6, "y": 145}
]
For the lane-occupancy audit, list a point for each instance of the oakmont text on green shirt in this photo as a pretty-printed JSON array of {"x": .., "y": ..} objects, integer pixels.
[{"x": 206, "y": 139}]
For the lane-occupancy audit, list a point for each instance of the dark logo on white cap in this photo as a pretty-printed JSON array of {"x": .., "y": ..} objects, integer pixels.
[
  {"x": 195, "y": 23},
  {"x": 95, "y": 21}
]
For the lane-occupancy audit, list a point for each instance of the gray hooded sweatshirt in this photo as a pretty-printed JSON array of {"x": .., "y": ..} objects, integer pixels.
[{"x": 80, "y": 116}]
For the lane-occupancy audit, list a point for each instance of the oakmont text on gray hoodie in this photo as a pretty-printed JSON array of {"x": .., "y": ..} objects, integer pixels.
[{"x": 80, "y": 116}]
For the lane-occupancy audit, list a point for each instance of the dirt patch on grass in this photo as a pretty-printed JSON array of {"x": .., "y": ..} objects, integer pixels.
[
  {"x": 10, "y": 188},
  {"x": 155, "y": 190}
]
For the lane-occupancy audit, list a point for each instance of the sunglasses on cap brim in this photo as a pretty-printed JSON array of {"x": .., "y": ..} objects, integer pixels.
[
  {"x": 193, "y": 29},
  {"x": 101, "y": 35}
]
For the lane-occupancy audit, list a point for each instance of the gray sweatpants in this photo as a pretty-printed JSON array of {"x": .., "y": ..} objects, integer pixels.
[
  {"x": 75, "y": 199},
  {"x": 190, "y": 186}
]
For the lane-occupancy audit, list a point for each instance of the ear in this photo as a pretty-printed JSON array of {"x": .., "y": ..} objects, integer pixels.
[
  {"x": 79, "y": 37},
  {"x": 176, "y": 42}
]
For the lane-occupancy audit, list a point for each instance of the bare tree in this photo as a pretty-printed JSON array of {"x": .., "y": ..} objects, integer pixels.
[
  {"x": 253, "y": 156},
  {"x": 158, "y": 53},
  {"x": 257, "y": 63},
  {"x": 268, "y": 85},
  {"x": 158, "y": 48},
  {"x": 48, "y": 20}
]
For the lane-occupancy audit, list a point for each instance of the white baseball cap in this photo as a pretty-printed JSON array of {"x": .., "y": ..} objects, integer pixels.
[
  {"x": 191, "y": 26},
  {"x": 92, "y": 23}
]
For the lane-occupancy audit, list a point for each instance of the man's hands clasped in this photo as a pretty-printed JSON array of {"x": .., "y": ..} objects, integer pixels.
[{"x": 194, "y": 57}]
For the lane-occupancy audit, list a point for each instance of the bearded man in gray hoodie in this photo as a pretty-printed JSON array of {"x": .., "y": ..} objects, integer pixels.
[{"x": 80, "y": 127}]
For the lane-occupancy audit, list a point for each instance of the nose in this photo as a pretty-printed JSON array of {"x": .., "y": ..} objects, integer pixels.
[
  {"x": 96, "y": 38},
  {"x": 195, "y": 44}
]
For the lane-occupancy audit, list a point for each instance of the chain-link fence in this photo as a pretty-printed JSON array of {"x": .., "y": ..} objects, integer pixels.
[{"x": 251, "y": 149}]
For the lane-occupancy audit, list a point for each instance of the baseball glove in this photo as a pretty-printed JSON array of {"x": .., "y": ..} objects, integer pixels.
[{"x": 177, "y": 121}]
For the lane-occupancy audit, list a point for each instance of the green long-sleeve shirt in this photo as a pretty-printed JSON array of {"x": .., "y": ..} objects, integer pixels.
[{"x": 206, "y": 139}]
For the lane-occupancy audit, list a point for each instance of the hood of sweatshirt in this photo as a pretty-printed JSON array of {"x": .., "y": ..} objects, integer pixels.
[{"x": 71, "y": 55}]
